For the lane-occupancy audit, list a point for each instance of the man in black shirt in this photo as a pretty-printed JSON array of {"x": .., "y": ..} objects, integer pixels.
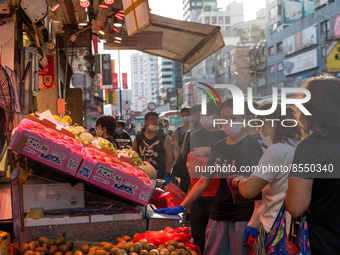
[
  {"x": 155, "y": 147},
  {"x": 228, "y": 222},
  {"x": 201, "y": 142},
  {"x": 121, "y": 133}
]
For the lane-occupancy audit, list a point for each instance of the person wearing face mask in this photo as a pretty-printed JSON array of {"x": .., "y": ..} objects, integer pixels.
[
  {"x": 252, "y": 130},
  {"x": 201, "y": 142},
  {"x": 228, "y": 221},
  {"x": 282, "y": 142},
  {"x": 166, "y": 126},
  {"x": 177, "y": 137},
  {"x": 121, "y": 133},
  {"x": 155, "y": 147},
  {"x": 105, "y": 128},
  {"x": 195, "y": 117}
]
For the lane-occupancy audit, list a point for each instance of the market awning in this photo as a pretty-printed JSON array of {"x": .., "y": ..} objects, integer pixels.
[{"x": 186, "y": 42}]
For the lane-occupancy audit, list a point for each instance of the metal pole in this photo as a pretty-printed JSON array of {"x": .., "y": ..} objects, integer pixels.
[{"x": 120, "y": 88}]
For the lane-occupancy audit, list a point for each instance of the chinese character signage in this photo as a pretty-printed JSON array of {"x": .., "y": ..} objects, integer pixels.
[
  {"x": 114, "y": 80},
  {"x": 111, "y": 96},
  {"x": 106, "y": 71},
  {"x": 124, "y": 80},
  {"x": 46, "y": 76}
]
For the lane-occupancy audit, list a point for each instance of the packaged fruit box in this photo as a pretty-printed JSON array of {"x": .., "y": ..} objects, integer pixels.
[
  {"x": 120, "y": 178},
  {"x": 46, "y": 151}
]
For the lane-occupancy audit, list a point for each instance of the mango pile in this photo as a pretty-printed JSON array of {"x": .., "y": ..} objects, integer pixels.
[{"x": 122, "y": 246}]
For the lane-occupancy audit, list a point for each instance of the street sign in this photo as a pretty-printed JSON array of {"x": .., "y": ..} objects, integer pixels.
[{"x": 151, "y": 106}]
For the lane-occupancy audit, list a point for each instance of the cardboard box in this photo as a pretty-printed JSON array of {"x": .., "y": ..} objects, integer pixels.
[
  {"x": 115, "y": 181},
  {"x": 46, "y": 152},
  {"x": 53, "y": 196},
  {"x": 5, "y": 243}
]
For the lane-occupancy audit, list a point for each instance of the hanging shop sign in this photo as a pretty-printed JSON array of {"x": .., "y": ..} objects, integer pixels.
[
  {"x": 46, "y": 76},
  {"x": 111, "y": 96},
  {"x": 106, "y": 71},
  {"x": 124, "y": 80},
  {"x": 300, "y": 63},
  {"x": 333, "y": 56},
  {"x": 114, "y": 80}
]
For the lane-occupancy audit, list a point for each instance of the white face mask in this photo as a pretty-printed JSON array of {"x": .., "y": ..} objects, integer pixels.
[
  {"x": 186, "y": 119},
  {"x": 207, "y": 121},
  {"x": 153, "y": 128},
  {"x": 233, "y": 130},
  {"x": 266, "y": 139}
]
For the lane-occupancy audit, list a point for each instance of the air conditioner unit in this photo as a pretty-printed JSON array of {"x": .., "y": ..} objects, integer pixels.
[{"x": 4, "y": 7}]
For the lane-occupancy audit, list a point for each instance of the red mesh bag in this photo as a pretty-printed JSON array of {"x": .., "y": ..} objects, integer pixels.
[{"x": 180, "y": 235}]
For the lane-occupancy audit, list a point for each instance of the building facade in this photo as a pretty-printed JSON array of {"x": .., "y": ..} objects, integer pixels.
[
  {"x": 137, "y": 80},
  {"x": 193, "y": 8},
  {"x": 302, "y": 50}
]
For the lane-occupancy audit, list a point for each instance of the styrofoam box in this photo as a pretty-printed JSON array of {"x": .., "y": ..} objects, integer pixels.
[
  {"x": 53, "y": 196},
  {"x": 55, "y": 220}
]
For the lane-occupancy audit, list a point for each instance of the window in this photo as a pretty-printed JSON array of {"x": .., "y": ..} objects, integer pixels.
[
  {"x": 214, "y": 20},
  {"x": 280, "y": 66},
  {"x": 227, "y": 19},
  {"x": 272, "y": 69},
  {"x": 273, "y": 12},
  {"x": 220, "y": 20},
  {"x": 324, "y": 25},
  {"x": 271, "y": 50},
  {"x": 279, "y": 47},
  {"x": 232, "y": 59},
  {"x": 207, "y": 20}
]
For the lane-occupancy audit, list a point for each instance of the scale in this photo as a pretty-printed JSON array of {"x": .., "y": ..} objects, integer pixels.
[{"x": 122, "y": 142}]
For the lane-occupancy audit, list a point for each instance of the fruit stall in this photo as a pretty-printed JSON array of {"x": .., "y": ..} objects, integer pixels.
[{"x": 76, "y": 187}]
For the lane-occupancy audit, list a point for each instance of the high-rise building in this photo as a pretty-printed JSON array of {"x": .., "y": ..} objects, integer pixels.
[
  {"x": 151, "y": 90},
  {"x": 193, "y": 8},
  {"x": 137, "y": 80},
  {"x": 144, "y": 80},
  {"x": 170, "y": 79},
  {"x": 224, "y": 19}
]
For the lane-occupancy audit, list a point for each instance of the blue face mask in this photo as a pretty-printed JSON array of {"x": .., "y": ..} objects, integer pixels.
[
  {"x": 117, "y": 130},
  {"x": 166, "y": 128}
]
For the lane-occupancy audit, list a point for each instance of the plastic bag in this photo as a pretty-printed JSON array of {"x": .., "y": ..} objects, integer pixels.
[
  {"x": 180, "y": 235},
  {"x": 176, "y": 193},
  {"x": 163, "y": 200},
  {"x": 195, "y": 161}
]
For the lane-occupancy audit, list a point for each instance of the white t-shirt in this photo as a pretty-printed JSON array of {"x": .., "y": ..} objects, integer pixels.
[{"x": 266, "y": 210}]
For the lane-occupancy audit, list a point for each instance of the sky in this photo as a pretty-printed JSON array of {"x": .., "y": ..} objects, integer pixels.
[{"x": 174, "y": 9}]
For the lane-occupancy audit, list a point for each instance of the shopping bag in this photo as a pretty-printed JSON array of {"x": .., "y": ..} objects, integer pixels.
[
  {"x": 176, "y": 193},
  {"x": 277, "y": 242},
  {"x": 180, "y": 235},
  {"x": 302, "y": 237},
  {"x": 163, "y": 200}
]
